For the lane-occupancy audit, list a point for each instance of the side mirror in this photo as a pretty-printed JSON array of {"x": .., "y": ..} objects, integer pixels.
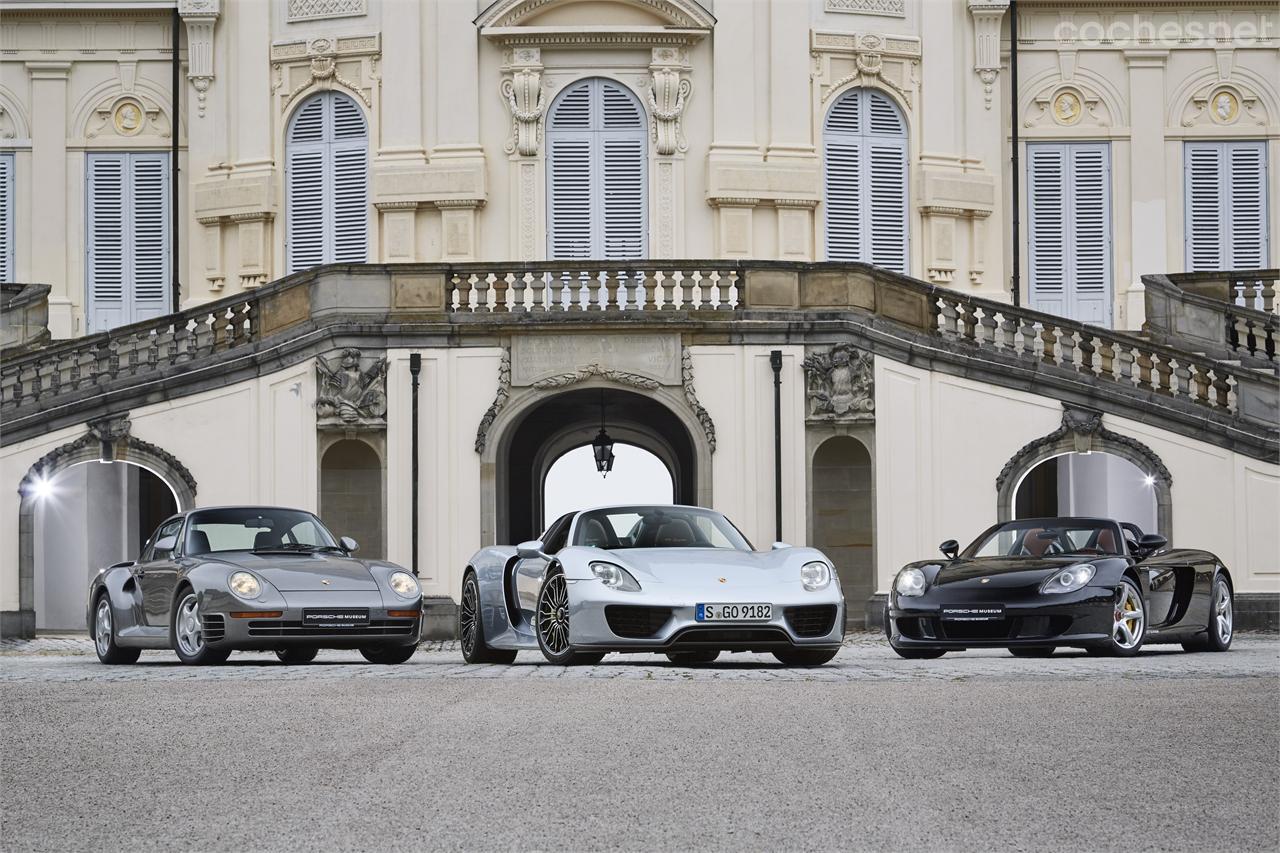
[
  {"x": 349, "y": 545},
  {"x": 1150, "y": 543},
  {"x": 530, "y": 550},
  {"x": 165, "y": 544},
  {"x": 950, "y": 548},
  {"x": 778, "y": 546}
]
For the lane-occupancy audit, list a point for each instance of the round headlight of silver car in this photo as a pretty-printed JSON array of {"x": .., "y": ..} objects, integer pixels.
[
  {"x": 404, "y": 585},
  {"x": 244, "y": 585},
  {"x": 910, "y": 582},
  {"x": 815, "y": 576}
]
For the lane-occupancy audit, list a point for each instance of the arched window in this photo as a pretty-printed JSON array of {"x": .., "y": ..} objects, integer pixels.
[
  {"x": 326, "y": 172},
  {"x": 864, "y": 152},
  {"x": 596, "y": 155}
]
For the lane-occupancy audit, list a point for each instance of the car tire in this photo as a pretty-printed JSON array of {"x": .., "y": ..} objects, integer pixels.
[
  {"x": 104, "y": 635},
  {"x": 1220, "y": 631},
  {"x": 471, "y": 627},
  {"x": 805, "y": 657},
  {"x": 918, "y": 654},
  {"x": 1032, "y": 651},
  {"x": 1127, "y": 595},
  {"x": 551, "y": 625},
  {"x": 389, "y": 655},
  {"x": 695, "y": 658},
  {"x": 297, "y": 654},
  {"x": 186, "y": 632}
]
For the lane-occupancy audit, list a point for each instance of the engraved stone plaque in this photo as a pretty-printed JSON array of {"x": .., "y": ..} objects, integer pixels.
[{"x": 537, "y": 358}]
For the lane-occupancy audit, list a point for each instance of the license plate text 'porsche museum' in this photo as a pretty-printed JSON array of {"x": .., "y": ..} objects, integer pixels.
[{"x": 671, "y": 579}]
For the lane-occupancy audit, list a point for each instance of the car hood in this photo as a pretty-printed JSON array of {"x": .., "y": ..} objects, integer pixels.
[
  {"x": 305, "y": 572},
  {"x": 1002, "y": 572},
  {"x": 712, "y": 567}
]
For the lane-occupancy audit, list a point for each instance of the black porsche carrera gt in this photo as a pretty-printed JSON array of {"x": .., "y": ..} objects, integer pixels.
[{"x": 1035, "y": 584}]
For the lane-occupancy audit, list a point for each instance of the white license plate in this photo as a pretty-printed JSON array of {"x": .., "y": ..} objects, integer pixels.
[{"x": 734, "y": 612}]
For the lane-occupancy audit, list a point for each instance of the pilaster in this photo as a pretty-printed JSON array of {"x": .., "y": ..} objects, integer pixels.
[{"x": 49, "y": 200}]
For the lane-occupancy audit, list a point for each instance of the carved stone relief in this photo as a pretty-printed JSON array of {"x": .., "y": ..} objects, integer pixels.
[
  {"x": 127, "y": 116},
  {"x": 522, "y": 91},
  {"x": 1067, "y": 106},
  {"x": 200, "y": 17},
  {"x": 668, "y": 93},
  {"x": 499, "y": 401},
  {"x": 841, "y": 384},
  {"x": 842, "y": 58},
  {"x": 347, "y": 62},
  {"x": 1223, "y": 105},
  {"x": 351, "y": 392}
]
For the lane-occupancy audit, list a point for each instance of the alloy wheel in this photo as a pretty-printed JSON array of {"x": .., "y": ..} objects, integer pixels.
[
  {"x": 102, "y": 635},
  {"x": 468, "y": 616},
  {"x": 187, "y": 627},
  {"x": 1222, "y": 615},
  {"x": 553, "y": 615},
  {"x": 1129, "y": 618}
]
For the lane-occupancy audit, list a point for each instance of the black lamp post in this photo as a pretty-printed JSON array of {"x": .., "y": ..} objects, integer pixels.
[{"x": 602, "y": 447}]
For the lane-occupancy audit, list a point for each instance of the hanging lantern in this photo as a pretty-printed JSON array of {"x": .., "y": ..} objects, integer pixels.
[{"x": 602, "y": 447}]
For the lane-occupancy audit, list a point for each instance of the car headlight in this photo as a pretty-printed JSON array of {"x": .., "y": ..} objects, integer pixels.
[
  {"x": 1069, "y": 579},
  {"x": 815, "y": 576},
  {"x": 615, "y": 577},
  {"x": 910, "y": 582},
  {"x": 244, "y": 585},
  {"x": 404, "y": 585}
]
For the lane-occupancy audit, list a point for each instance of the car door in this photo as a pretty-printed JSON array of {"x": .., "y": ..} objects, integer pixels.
[
  {"x": 530, "y": 570},
  {"x": 157, "y": 572}
]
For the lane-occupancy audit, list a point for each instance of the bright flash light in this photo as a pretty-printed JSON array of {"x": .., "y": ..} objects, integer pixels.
[
  {"x": 42, "y": 488},
  {"x": 1149, "y": 480}
]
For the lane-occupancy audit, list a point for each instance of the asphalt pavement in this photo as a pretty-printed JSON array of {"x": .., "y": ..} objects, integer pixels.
[{"x": 977, "y": 751}]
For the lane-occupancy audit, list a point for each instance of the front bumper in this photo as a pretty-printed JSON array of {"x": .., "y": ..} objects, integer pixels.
[
  {"x": 1030, "y": 619},
  {"x": 610, "y": 621},
  {"x": 386, "y": 625}
]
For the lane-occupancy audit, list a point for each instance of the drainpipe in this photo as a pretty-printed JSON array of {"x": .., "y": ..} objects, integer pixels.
[
  {"x": 1015, "y": 159},
  {"x": 415, "y": 367},
  {"x": 175, "y": 220},
  {"x": 775, "y": 361}
]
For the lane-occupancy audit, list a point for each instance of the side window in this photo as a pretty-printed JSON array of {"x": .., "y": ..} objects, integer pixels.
[
  {"x": 169, "y": 528},
  {"x": 557, "y": 534}
]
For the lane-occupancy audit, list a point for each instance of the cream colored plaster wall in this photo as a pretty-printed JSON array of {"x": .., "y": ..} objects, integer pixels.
[
  {"x": 940, "y": 440},
  {"x": 735, "y": 385}
]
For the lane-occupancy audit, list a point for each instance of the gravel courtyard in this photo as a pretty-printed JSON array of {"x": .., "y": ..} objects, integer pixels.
[{"x": 977, "y": 751}]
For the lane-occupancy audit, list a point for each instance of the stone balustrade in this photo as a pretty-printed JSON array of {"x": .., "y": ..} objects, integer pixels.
[
  {"x": 1228, "y": 315},
  {"x": 1199, "y": 390},
  {"x": 24, "y": 318}
]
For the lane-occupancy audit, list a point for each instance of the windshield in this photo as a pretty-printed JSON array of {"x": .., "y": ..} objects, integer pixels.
[
  {"x": 657, "y": 527},
  {"x": 1047, "y": 537},
  {"x": 256, "y": 529}
]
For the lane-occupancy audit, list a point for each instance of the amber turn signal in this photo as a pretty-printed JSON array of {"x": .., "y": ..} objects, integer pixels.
[
  {"x": 405, "y": 614},
  {"x": 256, "y": 614}
]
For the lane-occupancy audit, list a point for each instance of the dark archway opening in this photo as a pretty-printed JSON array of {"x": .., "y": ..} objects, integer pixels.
[
  {"x": 86, "y": 517},
  {"x": 1095, "y": 484},
  {"x": 843, "y": 522},
  {"x": 351, "y": 495},
  {"x": 569, "y": 420}
]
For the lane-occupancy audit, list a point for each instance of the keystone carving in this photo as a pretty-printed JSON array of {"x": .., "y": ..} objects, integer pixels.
[
  {"x": 584, "y": 373},
  {"x": 841, "y": 384},
  {"x": 350, "y": 396}
]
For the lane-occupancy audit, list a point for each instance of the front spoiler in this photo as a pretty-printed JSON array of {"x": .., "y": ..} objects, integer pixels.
[{"x": 1080, "y": 619}]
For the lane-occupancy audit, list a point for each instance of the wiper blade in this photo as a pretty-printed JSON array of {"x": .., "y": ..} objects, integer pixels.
[{"x": 291, "y": 547}]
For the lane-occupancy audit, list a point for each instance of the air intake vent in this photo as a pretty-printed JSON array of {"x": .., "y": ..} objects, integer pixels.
[
  {"x": 214, "y": 628},
  {"x": 814, "y": 620},
  {"x": 635, "y": 622}
]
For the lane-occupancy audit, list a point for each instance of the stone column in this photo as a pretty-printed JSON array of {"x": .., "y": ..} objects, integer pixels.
[
  {"x": 206, "y": 147},
  {"x": 457, "y": 80},
  {"x": 253, "y": 126},
  {"x": 733, "y": 107},
  {"x": 1148, "y": 184},
  {"x": 790, "y": 123},
  {"x": 401, "y": 71},
  {"x": 49, "y": 198}
]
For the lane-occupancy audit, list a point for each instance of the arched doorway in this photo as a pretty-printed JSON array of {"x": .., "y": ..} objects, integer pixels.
[
  {"x": 85, "y": 517},
  {"x": 546, "y": 430},
  {"x": 843, "y": 523},
  {"x": 572, "y": 481},
  {"x": 351, "y": 495},
  {"x": 1089, "y": 484}
]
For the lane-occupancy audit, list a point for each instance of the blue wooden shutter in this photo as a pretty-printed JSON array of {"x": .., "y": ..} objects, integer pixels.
[
  {"x": 327, "y": 185},
  {"x": 1069, "y": 232},
  {"x": 8, "y": 271},
  {"x": 865, "y": 180},
  {"x": 127, "y": 252},
  {"x": 1226, "y": 205},
  {"x": 597, "y": 151}
]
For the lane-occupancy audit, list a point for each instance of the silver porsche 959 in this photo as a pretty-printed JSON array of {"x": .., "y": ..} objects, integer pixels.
[
  {"x": 673, "y": 579},
  {"x": 210, "y": 581}
]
